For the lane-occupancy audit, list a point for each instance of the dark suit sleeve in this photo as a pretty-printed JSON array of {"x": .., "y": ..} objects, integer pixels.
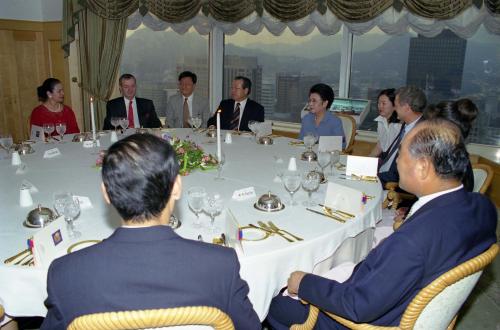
[
  {"x": 107, "y": 120},
  {"x": 153, "y": 120},
  {"x": 213, "y": 120},
  {"x": 392, "y": 175},
  {"x": 380, "y": 282},
  {"x": 240, "y": 308},
  {"x": 54, "y": 320}
]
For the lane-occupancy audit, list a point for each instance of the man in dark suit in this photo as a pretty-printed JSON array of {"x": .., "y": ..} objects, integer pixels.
[
  {"x": 409, "y": 104},
  {"x": 140, "y": 112},
  {"x": 144, "y": 264},
  {"x": 446, "y": 227},
  {"x": 238, "y": 111}
]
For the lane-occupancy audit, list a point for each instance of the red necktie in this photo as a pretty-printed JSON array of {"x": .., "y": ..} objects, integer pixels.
[{"x": 130, "y": 115}]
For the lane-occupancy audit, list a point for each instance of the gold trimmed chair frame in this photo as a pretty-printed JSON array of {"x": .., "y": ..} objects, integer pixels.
[
  {"x": 349, "y": 143},
  {"x": 489, "y": 176},
  {"x": 420, "y": 301},
  {"x": 154, "y": 318}
]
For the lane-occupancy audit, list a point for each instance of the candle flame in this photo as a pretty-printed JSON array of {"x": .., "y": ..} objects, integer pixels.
[
  {"x": 91, "y": 99},
  {"x": 219, "y": 110}
]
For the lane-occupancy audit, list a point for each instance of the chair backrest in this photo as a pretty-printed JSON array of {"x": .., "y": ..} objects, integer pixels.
[
  {"x": 349, "y": 126},
  {"x": 154, "y": 318},
  {"x": 483, "y": 175},
  {"x": 436, "y": 305}
]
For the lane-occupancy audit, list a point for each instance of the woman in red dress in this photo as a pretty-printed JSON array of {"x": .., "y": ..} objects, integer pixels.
[{"x": 52, "y": 110}]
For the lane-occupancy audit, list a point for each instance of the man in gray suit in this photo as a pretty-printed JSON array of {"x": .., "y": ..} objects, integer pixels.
[{"x": 185, "y": 105}]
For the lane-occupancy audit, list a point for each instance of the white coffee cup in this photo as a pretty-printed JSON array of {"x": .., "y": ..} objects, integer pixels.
[
  {"x": 25, "y": 199},
  {"x": 16, "y": 159},
  {"x": 114, "y": 137},
  {"x": 292, "y": 164}
]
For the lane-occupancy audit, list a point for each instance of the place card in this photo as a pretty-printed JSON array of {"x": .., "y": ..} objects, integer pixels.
[
  {"x": 37, "y": 133},
  {"x": 90, "y": 144},
  {"x": 361, "y": 166},
  {"x": 330, "y": 143},
  {"x": 21, "y": 169},
  {"x": 51, "y": 153},
  {"x": 84, "y": 202},
  {"x": 50, "y": 242},
  {"x": 232, "y": 232},
  {"x": 344, "y": 198},
  {"x": 244, "y": 194},
  {"x": 30, "y": 186}
]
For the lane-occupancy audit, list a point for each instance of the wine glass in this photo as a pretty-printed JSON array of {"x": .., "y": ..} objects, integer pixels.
[
  {"x": 196, "y": 197},
  {"x": 6, "y": 142},
  {"x": 220, "y": 164},
  {"x": 291, "y": 180},
  {"x": 124, "y": 123},
  {"x": 252, "y": 124},
  {"x": 324, "y": 158},
  {"x": 48, "y": 128},
  {"x": 309, "y": 140},
  {"x": 310, "y": 183},
  {"x": 69, "y": 207},
  {"x": 61, "y": 129},
  {"x": 212, "y": 205},
  {"x": 115, "y": 122},
  {"x": 335, "y": 159},
  {"x": 196, "y": 122}
]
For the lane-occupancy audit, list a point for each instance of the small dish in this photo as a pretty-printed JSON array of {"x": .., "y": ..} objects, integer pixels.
[
  {"x": 253, "y": 234},
  {"x": 255, "y": 205},
  {"x": 82, "y": 245}
]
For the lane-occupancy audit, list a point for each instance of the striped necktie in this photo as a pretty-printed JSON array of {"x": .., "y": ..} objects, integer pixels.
[{"x": 235, "y": 121}]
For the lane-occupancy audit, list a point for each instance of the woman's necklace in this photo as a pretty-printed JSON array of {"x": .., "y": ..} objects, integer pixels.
[{"x": 53, "y": 108}]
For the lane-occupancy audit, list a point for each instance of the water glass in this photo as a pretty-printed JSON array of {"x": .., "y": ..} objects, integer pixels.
[
  {"x": 6, "y": 142},
  {"x": 324, "y": 158},
  {"x": 124, "y": 123},
  {"x": 48, "y": 128},
  {"x": 309, "y": 140},
  {"x": 196, "y": 198},
  {"x": 335, "y": 159},
  {"x": 61, "y": 129},
  {"x": 196, "y": 122},
  {"x": 213, "y": 206},
  {"x": 291, "y": 180},
  {"x": 310, "y": 183},
  {"x": 69, "y": 207},
  {"x": 115, "y": 122}
]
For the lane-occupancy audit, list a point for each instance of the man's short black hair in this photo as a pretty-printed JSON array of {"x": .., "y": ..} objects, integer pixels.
[
  {"x": 139, "y": 173},
  {"x": 325, "y": 92},
  {"x": 189, "y": 74},
  {"x": 126, "y": 76},
  {"x": 246, "y": 83}
]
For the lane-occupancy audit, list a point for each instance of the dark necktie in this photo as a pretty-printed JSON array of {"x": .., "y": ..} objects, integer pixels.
[
  {"x": 235, "y": 121},
  {"x": 130, "y": 114},
  {"x": 185, "y": 113},
  {"x": 394, "y": 146}
]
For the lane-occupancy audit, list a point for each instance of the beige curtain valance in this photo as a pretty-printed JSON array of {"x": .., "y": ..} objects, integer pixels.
[{"x": 176, "y": 11}]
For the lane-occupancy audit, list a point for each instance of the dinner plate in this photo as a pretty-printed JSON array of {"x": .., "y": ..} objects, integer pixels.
[
  {"x": 82, "y": 245},
  {"x": 253, "y": 234}
]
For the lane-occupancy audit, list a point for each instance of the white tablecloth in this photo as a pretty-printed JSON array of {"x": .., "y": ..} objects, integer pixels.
[{"x": 265, "y": 264}]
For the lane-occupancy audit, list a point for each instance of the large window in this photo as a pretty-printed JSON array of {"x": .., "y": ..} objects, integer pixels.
[
  {"x": 446, "y": 67},
  {"x": 282, "y": 68},
  {"x": 157, "y": 57}
]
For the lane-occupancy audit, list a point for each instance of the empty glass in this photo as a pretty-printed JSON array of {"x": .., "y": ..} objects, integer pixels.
[
  {"x": 196, "y": 198},
  {"x": 310, "y": 183},
  {"x": 115, "y": 122},
  {"x": 324, "y": 158},
  {"x": 6, "y": 142},
  {"x": 48, "y": 128},
  {"x": 69, "y": 207},
  {"x": 220, "y": 164},
  {"x": 124, "y": 123},
  {"x": 291, "y": 180},
  {"x": 61, "y": 129},
  {"x": 213, "y": 206},
  {"x": 335, "y": 159},
  {"x": 196, "y": 122}
]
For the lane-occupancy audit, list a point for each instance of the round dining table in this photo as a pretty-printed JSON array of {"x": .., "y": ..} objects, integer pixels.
[{"x": 265, "y": 264}]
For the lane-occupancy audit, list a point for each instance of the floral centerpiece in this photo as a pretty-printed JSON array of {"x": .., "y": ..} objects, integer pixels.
[{"x": 191, "y": 156}]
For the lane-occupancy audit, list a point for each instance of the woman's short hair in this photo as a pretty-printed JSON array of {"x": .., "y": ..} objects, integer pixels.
[
  {"x": 139, "y": 173},
  {"x": 391, "y": 95},
  {"x": 461, "y": 112},
  {"x": 47, "y": 86},
  {"x": 325, "y": 92}
]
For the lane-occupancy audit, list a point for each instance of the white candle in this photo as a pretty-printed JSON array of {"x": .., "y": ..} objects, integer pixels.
[
  {"x": 218, "y": 135},
  {"x": 92, "y": 117}
]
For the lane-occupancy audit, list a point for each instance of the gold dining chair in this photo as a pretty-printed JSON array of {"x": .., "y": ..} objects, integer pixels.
[
  {"x": 434, "y": 307},
  {"x": 349, "y": 127},
  {"x": 154, "y": 318},
  {"x": 483, "y": 175}
]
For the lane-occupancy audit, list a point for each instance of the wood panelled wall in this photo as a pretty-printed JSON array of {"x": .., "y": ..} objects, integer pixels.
[{"x": 29, "y": 53}]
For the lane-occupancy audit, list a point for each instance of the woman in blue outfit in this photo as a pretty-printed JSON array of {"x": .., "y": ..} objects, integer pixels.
[{"x": 319, "y": 121}]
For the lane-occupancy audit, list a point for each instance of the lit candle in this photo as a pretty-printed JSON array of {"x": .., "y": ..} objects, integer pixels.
[
  {"x": 92, "y": 117},
  {"x": 218, "y": 135}
]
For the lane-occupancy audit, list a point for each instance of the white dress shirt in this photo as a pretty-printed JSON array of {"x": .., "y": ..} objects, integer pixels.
[
  {"x": 427, "y": 198},
  {"x": 386, "y": 132}
]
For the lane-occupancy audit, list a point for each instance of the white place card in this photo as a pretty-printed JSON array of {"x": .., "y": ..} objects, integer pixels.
[
  {"x": 232, "y": 233},
  {"x": 90, "y": 144},
  {"x": 29, "y": 185},
  {"x": 84, "y": 202},
  {"x": 37, "y": 133},
  {"x": 51, "y": 153},
  {"x": 359, "y": 165},
  {"x": 344, "y": 198},
  {"x": 244, "y": 194},
  {"x": 50, "y": 242},
  {"x": 330, "y": 143}
]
